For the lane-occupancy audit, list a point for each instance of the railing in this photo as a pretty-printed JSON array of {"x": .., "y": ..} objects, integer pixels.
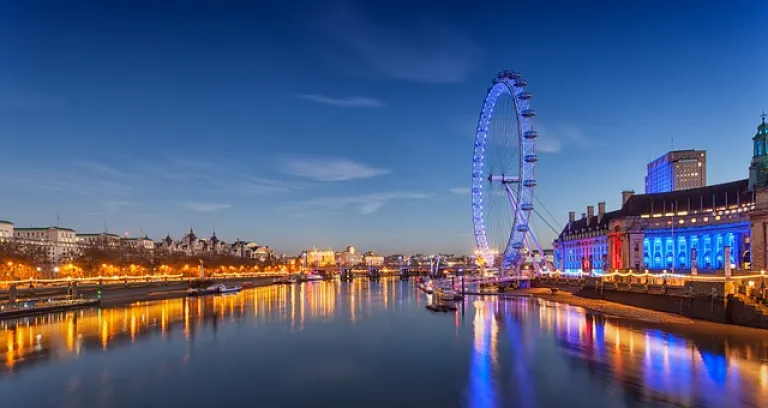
[
  {"x": 112, "y": 280},
  {"x": 748, "y": 283}
]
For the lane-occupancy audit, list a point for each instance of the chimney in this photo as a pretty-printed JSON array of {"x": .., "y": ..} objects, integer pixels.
[
  {"x": 590, "y": 213},
  {"x": 571, "y": 218},
  {"x": 600, "y": 211},
  {"x": 583, "y": 215},
  {"x": 625, "y": 195}
]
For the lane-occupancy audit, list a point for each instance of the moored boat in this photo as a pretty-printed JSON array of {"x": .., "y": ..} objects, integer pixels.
[
  {"x": 284, "y": 280},
  {"x": 446, "y": 294},
  {"x": 216, "y": 288}
]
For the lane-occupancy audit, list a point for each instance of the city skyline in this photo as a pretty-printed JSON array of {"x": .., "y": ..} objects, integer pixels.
[{"x": 361, "y": 135}]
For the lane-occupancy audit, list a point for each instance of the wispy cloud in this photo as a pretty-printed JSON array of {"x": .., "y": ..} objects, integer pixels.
[
  {"x": 258, "y": 185},
  {"x": 555, "y": 139},
  {"x": 112, "y": 206},
  {"x": 97, "y": 167},
  {"x": 205, "y": 207},
  {"x": 364, "y": 204},
  {"x": 328, "y": 169},
  {"x": 459, "y": 190},
  {"x": 424, "y": 51},
  {"x": 547, "y": 142},
  {"x": 219, "y": 176},
  {"x": 348, "y": 102}
]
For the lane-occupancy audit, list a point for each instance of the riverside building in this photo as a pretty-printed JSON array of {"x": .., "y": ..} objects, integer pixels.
[{"x": 705, "y": 228}]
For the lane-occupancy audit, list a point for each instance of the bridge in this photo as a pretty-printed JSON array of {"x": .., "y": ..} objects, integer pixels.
[{"x": 401, "y": 270}]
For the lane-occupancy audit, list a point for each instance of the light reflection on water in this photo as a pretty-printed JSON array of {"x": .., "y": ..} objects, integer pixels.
[{"x": 329, "y": 343}]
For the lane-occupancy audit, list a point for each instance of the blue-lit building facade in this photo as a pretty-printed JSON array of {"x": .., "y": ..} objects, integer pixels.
[
  {"x": 664, "y": 231},
  {"x": 706, "y": 227}
]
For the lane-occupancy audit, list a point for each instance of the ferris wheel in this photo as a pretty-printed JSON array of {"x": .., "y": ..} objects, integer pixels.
[{"x": 503, "y": 176}]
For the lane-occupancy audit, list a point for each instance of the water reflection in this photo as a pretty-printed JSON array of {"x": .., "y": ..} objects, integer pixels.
[
  {"x": 39, "y": 339},
  {"x": 490, "y": 353},
  {"x": 658, "y": 366},
  {"x": 647, "y": 366}
]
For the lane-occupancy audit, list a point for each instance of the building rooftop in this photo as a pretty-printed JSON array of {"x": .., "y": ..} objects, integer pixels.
[
  {"x": 718, "y": 195},
  {"x": 5, "y": 222},
  {"x": 44, "y": 229}
]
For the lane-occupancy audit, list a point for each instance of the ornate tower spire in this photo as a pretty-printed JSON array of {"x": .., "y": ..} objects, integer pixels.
[{"x": 758, "y": 169}]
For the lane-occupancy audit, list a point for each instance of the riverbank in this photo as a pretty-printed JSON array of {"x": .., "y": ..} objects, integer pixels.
[
  {"x": 644, "y": 318},
  {"x": 113, "y": 296},
  {"x": 616, "y": 310},
  {"x": 126, "y": 297}
]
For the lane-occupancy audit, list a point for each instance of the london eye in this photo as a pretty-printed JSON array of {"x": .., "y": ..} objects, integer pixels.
[{"x": 503, "y": 176}]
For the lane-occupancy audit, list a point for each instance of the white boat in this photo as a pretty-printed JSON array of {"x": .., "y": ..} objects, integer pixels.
[
  {"x": 213, "y": 289},
  {"x": 312, "y": 277}
]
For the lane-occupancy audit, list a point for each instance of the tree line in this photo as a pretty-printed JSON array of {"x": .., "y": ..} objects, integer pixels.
[{"x": 25, "y": 261}]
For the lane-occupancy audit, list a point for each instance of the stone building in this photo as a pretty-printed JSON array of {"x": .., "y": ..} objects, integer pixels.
[
  {"x": 706, "y": 228},
  {"x": 143, "y": 244},
  {"x": 191, "y": 245},
  {"x": 349, "y": 257},
  {"x": 59, "y": 244},
  {"x": 102, "y": 240},
  {"x": 316, "y": 257},
  {"x": 371, "y": 259},
  {"x": 6, "y": 230},
  {"x": 758, "y": 182}
]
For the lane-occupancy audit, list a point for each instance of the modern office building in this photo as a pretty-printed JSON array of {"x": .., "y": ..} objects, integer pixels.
[{"x": 677, "y": 170}]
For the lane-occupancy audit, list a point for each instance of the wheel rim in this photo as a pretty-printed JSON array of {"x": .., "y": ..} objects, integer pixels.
[{"x": 504, "y": 144}]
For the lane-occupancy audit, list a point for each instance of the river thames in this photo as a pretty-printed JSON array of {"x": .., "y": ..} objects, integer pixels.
[{"x": 367, "y": 344}]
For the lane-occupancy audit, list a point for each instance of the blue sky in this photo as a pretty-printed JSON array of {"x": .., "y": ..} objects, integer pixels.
[{"x": 334, "y": 123}]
